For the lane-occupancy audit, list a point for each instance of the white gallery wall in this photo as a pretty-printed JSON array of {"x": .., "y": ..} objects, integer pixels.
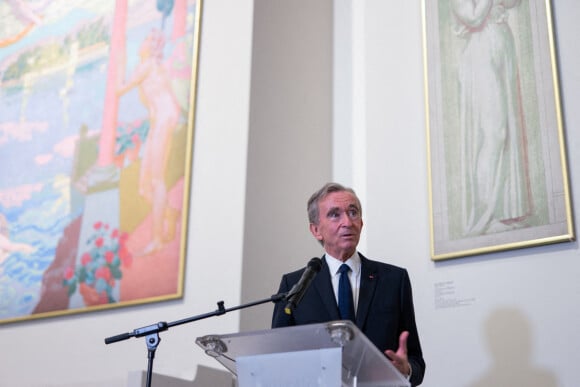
[
  {"x": 504, "y": 319},
  {"x": 490, "y": 320},
  {"x": 281, "y": 109}
]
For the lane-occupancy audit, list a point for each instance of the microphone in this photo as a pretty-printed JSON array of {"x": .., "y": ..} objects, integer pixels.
[{"x": 295, "y": 294}]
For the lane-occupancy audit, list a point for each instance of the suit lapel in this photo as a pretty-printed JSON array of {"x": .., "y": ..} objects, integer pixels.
[
  {"x": 368, "y": 283},
  {"x": 323, "y": 286}
]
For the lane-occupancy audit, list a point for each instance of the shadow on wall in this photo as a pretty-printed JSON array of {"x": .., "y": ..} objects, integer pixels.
[{"x": 509, "y": 341}]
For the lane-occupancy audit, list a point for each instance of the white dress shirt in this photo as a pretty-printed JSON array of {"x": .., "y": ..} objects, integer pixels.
[{"x": 353, "y": 275}]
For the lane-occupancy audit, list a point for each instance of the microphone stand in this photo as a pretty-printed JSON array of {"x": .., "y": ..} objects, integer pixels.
[{"x": 151, "y": 332}]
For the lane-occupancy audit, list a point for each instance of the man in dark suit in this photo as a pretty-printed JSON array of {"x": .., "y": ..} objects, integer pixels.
[{"x": 381, "y": 292}]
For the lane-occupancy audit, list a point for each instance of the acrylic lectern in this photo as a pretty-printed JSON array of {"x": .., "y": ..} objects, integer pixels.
[{"x": 330, "y": 354}]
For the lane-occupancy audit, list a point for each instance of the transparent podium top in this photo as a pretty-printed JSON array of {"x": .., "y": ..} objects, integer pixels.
[{"x": 362, "y": 363}]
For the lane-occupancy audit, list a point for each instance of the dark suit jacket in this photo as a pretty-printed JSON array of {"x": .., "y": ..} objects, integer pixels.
[{"x": 385, "y": 308}]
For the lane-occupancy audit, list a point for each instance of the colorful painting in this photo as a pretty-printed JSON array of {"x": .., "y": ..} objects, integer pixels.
[
  {"x": 96, "y": 137},
  {"x": 497, "y": 156}
]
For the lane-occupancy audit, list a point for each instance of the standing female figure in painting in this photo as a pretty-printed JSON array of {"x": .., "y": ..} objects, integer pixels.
[
  {"x": 157, "y": 96},
  {"x": 495, "y": 183}
]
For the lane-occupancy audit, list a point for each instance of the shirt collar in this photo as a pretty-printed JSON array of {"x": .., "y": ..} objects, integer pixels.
[{"x": 334, "y": 264}]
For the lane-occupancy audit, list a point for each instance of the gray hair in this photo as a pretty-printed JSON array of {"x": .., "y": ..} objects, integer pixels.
[{"x": 312, "y": 207}]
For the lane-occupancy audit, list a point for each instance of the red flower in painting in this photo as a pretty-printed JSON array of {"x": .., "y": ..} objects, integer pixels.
[
  {"x": 100, "y": 266},
  {"x": 69, "y": 272},
  {"x": 99, "y": 242},
  {"x": 86, "y": 258},
  {"x": 103, "y": 272},
  {"x": 109, "y": 256}
]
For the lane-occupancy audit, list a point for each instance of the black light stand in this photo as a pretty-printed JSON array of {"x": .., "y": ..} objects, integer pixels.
[{"x": 151, "y": 332}]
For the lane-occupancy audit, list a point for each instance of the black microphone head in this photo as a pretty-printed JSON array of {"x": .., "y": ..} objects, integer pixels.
[{"x": 315, "y": 264}]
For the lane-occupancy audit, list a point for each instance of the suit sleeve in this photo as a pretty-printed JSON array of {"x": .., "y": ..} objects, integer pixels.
[
  {"x": 414, "y": 352},
  {"x": 279, "y": 317}
]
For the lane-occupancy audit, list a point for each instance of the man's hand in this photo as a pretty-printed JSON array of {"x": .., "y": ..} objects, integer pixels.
[{"x": 399, "y": 358}]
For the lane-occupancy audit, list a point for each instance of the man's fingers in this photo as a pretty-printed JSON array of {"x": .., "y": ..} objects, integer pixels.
[{"x": 403, "y": 342}]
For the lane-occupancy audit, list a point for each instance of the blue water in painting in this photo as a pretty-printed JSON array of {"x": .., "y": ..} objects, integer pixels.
[
  {"x": 40, "y": 220},
  {"x": 82, "y": 105},
  {"x": 40, "y": 223}
]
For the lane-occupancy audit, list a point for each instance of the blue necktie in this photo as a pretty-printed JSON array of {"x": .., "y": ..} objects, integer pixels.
[{"x": 345, "y": 301}]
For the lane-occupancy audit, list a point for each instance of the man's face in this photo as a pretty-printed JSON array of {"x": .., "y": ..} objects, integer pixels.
[{"x": 340, "y": 224}]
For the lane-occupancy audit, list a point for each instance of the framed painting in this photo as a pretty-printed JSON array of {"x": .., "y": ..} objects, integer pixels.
[
  {"x": 497, "y": 157},
  {"x": 96, "y": 139}
]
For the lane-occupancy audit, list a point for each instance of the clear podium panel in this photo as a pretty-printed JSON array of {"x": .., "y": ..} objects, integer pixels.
[
  {"x": 315, "y": 368},
  {"x": 362, "y": 365}
]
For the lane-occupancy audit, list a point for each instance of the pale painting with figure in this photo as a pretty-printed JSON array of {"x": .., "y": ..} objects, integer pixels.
[
  {"x": 95, "y": 146},
  {"x": 494, "y": 175},
  {"x": 493, "y": 123}
]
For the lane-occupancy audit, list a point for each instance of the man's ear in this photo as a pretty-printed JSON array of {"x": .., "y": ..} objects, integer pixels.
[{"x": 315, "y": 232}]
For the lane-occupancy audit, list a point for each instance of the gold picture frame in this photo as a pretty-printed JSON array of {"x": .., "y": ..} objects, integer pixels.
[
  {"x": 497, "y": 157},
  {"x": 96, "y": 142}
]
